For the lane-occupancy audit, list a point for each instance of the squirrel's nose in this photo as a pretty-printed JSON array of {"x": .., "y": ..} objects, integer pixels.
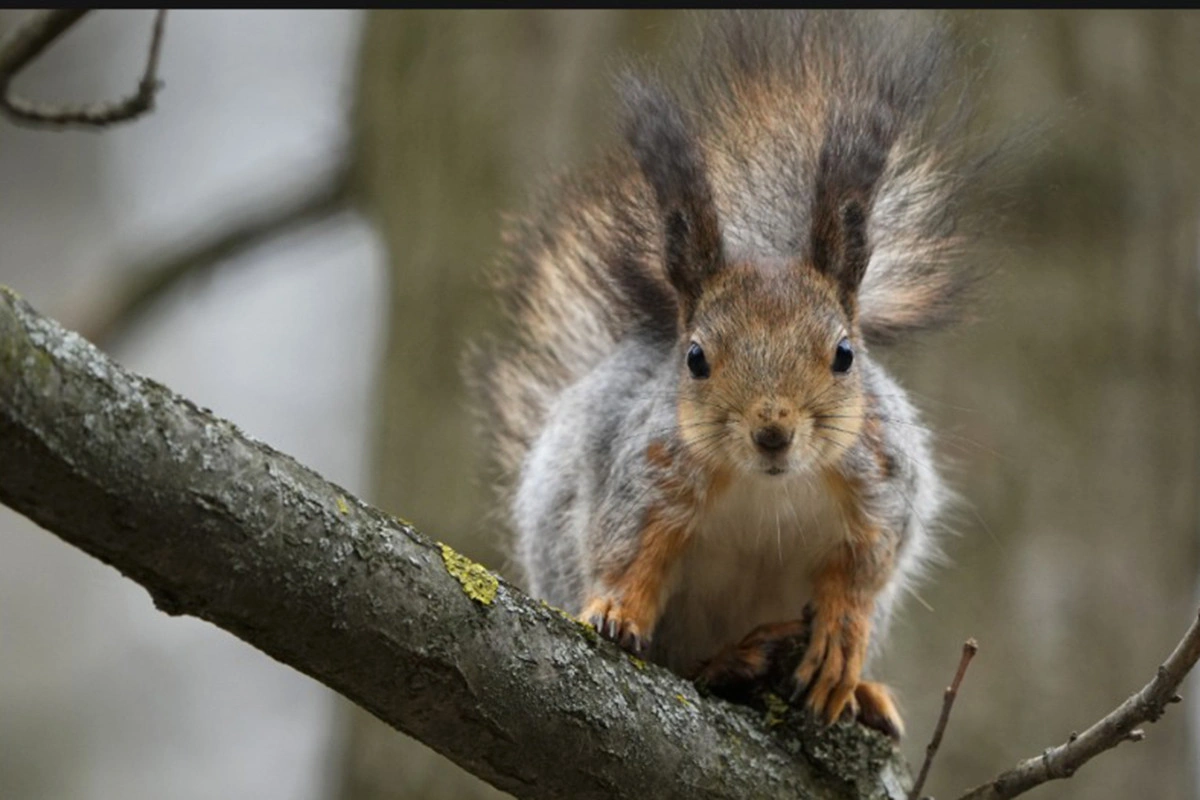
[{"x": 772, "y": 438}]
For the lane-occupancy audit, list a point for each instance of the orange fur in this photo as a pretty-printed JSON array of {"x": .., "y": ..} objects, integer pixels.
[
  {"x": 838, "y": 647},
  {"x": 637, "y": 589},
  {"x": 744, "y": 671},
  {"x": 658, "y": 455},
  {"x": 843, "y": 598},
  {"x": 629, "y": 610}
]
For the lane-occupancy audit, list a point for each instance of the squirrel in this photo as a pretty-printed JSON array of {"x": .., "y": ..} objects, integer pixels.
[{"x": 696, "y": 450}]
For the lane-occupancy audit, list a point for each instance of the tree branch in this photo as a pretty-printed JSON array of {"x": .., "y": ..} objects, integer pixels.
[
  {"x": 34, "y": 36},
  {"x": 970, "y": 648},
  {"x": 110, "y": 313},
  {"x": 218, "y": 525},
  {"x": 1118, "y": 726}
]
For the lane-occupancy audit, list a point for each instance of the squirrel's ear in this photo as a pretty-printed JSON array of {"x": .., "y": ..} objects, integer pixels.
[
  {"x": 666, "y": 151},
  {"x": 853, "y": 157}
]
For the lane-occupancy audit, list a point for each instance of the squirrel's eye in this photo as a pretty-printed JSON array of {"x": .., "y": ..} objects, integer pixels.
[
  {"x": 843, "y": 357},
  {"x": 696, "y": 361}
]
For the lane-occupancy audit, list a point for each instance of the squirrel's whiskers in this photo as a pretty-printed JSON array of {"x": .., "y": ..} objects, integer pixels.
[{"x": 769, "y": 371}]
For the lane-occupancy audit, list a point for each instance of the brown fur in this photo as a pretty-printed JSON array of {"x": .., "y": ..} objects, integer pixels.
[{"x": 748, "y": 666}]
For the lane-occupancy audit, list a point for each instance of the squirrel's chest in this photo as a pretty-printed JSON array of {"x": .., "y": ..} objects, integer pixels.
[{"x": 750, "y": 561}]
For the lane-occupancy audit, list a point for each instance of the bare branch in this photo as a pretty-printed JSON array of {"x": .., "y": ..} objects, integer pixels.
[
  {"x": 970, "y": 648},
  {"x": 1118, "y": 726},
  {"x": 33, "y": 37},
  {"x": 111, "y": 313},
  {"x": 220, "y": 526}
]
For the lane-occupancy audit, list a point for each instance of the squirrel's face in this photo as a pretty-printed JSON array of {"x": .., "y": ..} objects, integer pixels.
[{"x": 769, "y": 383}]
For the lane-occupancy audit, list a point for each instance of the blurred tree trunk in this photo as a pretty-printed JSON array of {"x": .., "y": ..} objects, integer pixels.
[
  {"x": 459, "y": 113},
  {"x": 1069, "y": 412}
]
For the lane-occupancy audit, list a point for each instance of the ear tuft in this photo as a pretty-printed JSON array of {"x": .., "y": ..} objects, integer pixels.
[
  {"x": 666, "y": 152},
  {"x": 851, "y": 163}
]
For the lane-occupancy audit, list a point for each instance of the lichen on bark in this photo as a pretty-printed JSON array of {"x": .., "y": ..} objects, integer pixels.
[{"x": 479, "y": 584}]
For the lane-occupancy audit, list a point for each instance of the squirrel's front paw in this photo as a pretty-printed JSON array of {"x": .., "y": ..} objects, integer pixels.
[
  {"x": 830, "y": 670},
  {"x": 762, "y": 658},
  {"x": 617, "y": 621}
]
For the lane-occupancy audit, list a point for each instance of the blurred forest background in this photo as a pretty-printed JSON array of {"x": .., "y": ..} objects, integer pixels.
[{"x": 323, "y": 190}]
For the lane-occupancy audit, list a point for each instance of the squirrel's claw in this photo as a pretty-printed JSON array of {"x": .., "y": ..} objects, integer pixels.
[
  {"x": 875, "y": 708},
  {"x": 610, "y": 621},
  {"x": 768, "y": 655},
  {"x": 831, "y": 667}
]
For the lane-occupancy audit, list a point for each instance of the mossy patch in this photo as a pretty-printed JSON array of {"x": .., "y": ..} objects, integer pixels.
[
  {"x": 777, "y": 709},
  {"x": 479, "y": 584},
  {"x": 342, "y": 506},
  {"x": 589, "y": 633}
]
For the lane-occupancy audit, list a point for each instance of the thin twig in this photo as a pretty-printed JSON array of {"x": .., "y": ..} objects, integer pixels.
[
  {"x": 33, "y": 37},
  {"x": 970, "y": 648},
  {"x": 1118, "y": 726},
  {"x": 114, "y": 311}
]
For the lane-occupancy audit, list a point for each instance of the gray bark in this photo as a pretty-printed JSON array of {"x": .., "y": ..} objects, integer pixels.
[{"x": 222, "y": 527}]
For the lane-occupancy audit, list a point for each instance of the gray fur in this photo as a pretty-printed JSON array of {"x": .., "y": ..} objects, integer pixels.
[{"x": 583, "y": 486}]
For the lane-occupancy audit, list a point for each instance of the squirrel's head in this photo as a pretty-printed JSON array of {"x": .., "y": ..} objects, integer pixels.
[{"x": 768, "y": 380}]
